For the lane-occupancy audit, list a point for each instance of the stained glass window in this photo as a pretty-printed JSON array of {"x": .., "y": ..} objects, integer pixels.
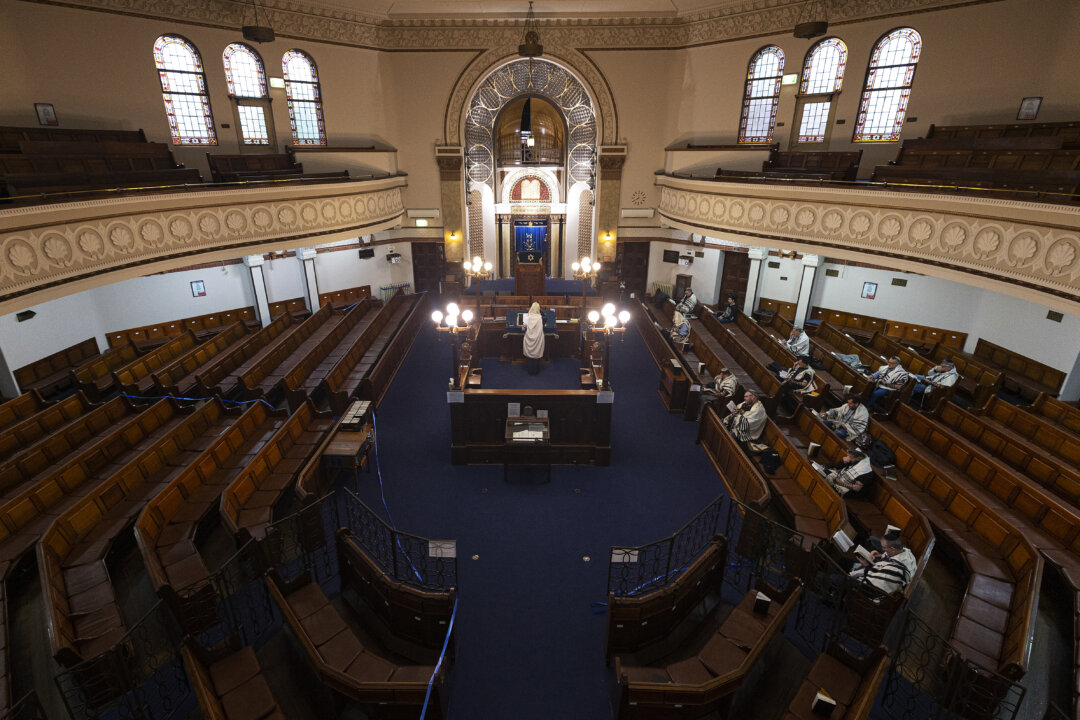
[
  {"x": 762, "y": 95},
  {"x": 888, "y": 86},
  {"x": 823, "y": 72},
  {"x": 246, "y": 79},
  {"x": 304, "y": 98},
  {"x": 183, "y": 87}
]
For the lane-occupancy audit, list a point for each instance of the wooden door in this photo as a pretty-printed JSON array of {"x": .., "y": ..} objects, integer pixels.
[
  {"x": 735, "y": 275},
  {"x": 632, "y": 266},
  {"x": 428, "y": 266}
]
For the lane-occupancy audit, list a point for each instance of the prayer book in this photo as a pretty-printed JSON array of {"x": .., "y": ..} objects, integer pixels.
[
  {"x": 823, "y": 705},
  {"x": 891, "y": 529},
  {"x": 762, "y": 603},
  {"x": 731, "y": 407},
  {"x": 864, "y": 554},
  {"x": 842, "y": 540},
  {"x": 818, "y": 466},
  {"x": 811, "y": 449}
]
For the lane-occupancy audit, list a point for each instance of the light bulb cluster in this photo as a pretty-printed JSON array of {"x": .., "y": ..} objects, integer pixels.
[
  {"x": 585, "y": 267},
  {"x": 611, "y": 319},
  {"x": 451, "y": 317},
  {"x": 477, "y": 266}
]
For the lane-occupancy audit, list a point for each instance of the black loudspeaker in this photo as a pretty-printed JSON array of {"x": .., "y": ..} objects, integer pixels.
[{"x": 366, "y": 253}]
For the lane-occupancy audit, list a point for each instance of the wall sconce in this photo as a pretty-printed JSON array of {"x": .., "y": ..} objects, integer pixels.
[
  {"x": 455, "y": 236},
  {"x": 421, "y": 222}
]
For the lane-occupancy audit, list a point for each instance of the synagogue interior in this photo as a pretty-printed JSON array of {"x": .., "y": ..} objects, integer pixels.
[{"x": 479, "y": 359}]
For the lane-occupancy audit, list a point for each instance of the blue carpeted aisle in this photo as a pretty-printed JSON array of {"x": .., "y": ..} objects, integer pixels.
[{"x": 527, "y": 644}]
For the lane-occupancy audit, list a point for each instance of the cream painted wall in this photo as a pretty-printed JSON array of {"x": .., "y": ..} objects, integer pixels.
[
  {"x": 284, "y": 278},
  {"x": 702, "y": 270}
]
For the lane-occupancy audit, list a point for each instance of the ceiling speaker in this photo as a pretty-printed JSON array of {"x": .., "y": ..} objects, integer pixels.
[
  {"x": 811, "y": 29},
  {"x": 260, "y": 33}
]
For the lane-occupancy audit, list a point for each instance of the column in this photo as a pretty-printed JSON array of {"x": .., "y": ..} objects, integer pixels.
[
  {"x": 450, "y": 160},
  {"x": 311, "y": 280},
  {"x": 611, "y": 159},
  {"x": 806, "y": 287},
  {"x": 258, "y": 286},
  {"x": 756, "y": 255},
  {"x": 8, "y": 387}
]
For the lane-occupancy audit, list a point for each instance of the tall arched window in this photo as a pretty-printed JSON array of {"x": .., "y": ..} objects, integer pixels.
[
  {"x": 304, "y": 98},
  {"x": 762, "y": 95},
  {"x": 246, "y": 80},
  {"x": 888, "y": 86},
  {"x": 183, "y": 87},
  {"x": 822, "y": 77}
]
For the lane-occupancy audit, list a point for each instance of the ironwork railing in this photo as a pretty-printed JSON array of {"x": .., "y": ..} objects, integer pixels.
[
  {"x": 636, "y": 570},
  {"x": 416, "y": 561},
  {"x": 386, "y": 292},
  {"x": 761, "y": 549}
]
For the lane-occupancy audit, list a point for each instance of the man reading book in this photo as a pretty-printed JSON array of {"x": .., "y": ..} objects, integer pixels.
[{"x": 887, "y": 571}]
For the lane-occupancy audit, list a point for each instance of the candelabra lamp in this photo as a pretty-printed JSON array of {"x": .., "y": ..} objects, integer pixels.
[
  {"x": 449, "y": 323},
  {"x": 585, "y": 270},
  {"x": 607, "y": 322},
  {"x": 479, "y": 270}
]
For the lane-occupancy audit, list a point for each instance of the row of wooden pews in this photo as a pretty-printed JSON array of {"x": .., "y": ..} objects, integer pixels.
[
  {"x": 148, "y": 337},
  {"x": 863, "y": 327},
  {"x": 836, "y": 374}
]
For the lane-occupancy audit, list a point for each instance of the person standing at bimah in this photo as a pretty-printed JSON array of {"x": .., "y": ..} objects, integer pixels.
[{"x": 533, "y": 344}]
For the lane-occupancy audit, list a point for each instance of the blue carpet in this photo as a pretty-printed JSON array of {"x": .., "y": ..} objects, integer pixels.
[
  {"x": 559, "y": 374},
  {"x": 527, "y": 645},
  {"x": 553, "y": 286}
]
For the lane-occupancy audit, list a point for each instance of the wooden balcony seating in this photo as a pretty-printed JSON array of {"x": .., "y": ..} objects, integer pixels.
[
  {"x": 344, "y": 382},
  {"x": 701, "y": 683},
  {"x": 740, "y": 476},
  {"x": 1023, "y": 376},
  {"x": 978, "y": 381},
  {"x": 852, "y": 682},
  {"x": 11, "y": 137},
  {"x": 95, "y": 376},
  {"x": 341, "y": 660},
  {"x": 81, "y": 610},
  {"x": 18, "y": 409},
  {"x": 862, "y": 328},
  {"x": 228, "y": 683},
  {"x": 653, "y": 618},
  {"x": 53, "y": 373},
  {"x": 262, "y": 378},
  {"x": 179, "y": 377},
  {"x": 814, "y": 508},
  {"x": 223, "y": 376},
  {"x": 17, "y": 438},
  {"x": 341, "y": 299},
  {"x": 1045, "y": 453},
  {"x": 147, "y": 337},
  {"x": 261, "y": 168},
  {"x": 1069, "y": 131},
  {"x": 137, "y": 377},
  {"x": 165, "y": 530},
  {"x": 297, "y": 307},
  {"x": 247, "y": 504},
  {"x": 409, "y": 319},
  {"x": 996, "y": 626},
  {"x": 1062, "y": 414},
  {"x": 812, "y": 165},
  {"x": 406, "y": 615},
  {"x": 305, "y": 377}
]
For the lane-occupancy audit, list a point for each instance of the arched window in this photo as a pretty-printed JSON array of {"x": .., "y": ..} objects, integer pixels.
[
  {"x": 183, "y": 87},
  {"x": 246, "y": 80},
  {"x": 304, "y": 98},
  {"x": 823, "y": 75},
  {"x": 762, "y": 95},
  {"x": 888, "y": 86}
]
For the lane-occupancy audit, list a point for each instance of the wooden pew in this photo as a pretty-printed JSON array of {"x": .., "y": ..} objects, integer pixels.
[
  {"x": 72, "y": 553},
  {"x": 263, "y": 377},
  {"x": 853, "y": 682},
  {"x": 698, "y": 685},
  {"x": 654, "y": 617},
  {"x": 375, "y": 384},
  {"x": 978, "y": 381},
  {"x": 779, "y": 308},
  {"x": 165, "y": 530},
  {"x": 341, "y": 299},
  {"x": 297, "y": 307},
  {"x": 746, "y": 365},
  {"x": 1041, "y": 451},
  {"x": 739, "y": 475},
  {"x": 812, "y": 164},
  {"x": 95, "y": 377},
  {"x": 53, "y": 373},
  {"x": 1062, "y": 414},
  {"x": 179, "y": 377},
  {"x": 17, "y": 438},
  {"x": 262, "y": 167},
  {"x": 137, "y": 378},
  {"x": 836, "y": 374},
  {"x": 12, "y": 136},
  {"x": 222, "y": 376},
  {"x": 862, "y": 327},
  {"x": 342, "y": 662},
  {"x": 247, "y": 504},
  {"x": 203, "y": 326},
  {"x": 228, "y": 682},
  {"x": 1069, "y": 131},
  {"x": 996, "y": 626},
  {"x": 18, "y": 409},
  {"x": 1023, "y": 376},
  {"x": 659, "y": 348},
  {"x": 680, "y": 382},
  {"x": 778, "y": 353},
  {"x": 20, "y": 181}
]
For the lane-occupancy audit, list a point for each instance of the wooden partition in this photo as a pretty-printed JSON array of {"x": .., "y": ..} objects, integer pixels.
[
  {"x": 740, "y": 476},
  {"x": 152, "y": 335},
  {"x": 1023, "y": 376},
  {"x": 864, "y": 326},
  {"x": 343, "y": 298},
  {"x": 781, "y": 308},
  {"x": 53, "y": 373}
]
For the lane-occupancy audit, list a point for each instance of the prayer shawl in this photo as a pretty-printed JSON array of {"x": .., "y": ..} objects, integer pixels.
[
  {"x": 796, "y": 378},
  {"x": 726, "y": 385},
  {"x": 886, "y": 378},
  {"x": 854, "y": 421},
  {"x": 944, "y": 379},
  {"x": 747, "y": 424},
  {"x": 687, "y": 304},
  {"x": 679, "y": 328},
  {"x": 851, "y": 473},
  {"x": 888, "y": 574},
  {"x": 800, "y": 345},
  {"x": 533, "y": 344}
]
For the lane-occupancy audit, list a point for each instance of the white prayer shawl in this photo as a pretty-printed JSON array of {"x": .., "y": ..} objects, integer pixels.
[
  {"x": 727, "y": 385},
  {"x": 798, "y": 376},
  {"x": 687, "y": 304},
  {"x": 800, "y": 345},
  {"x": 944, "y": 378},
  {"x": 854, "y": 421},
  {"x": 856, "y": 470},
  {"x": 748, "y": 423},
  {"x": 533, "y": 344},
  {"x": 896, "y": 376},
  {"x": 888, "y": 574}
]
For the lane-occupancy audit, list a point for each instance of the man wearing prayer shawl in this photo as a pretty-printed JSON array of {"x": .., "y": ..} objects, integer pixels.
[
  {"x": 533, "y": 344},
  {"x": 688, "y": 303},
  {"x": 850, "y": 419},
  {"x": 680, "y": 328},
  {"x": 889, "y": 378},
  {"x": 748, "y": 421},
  {"x": 798, "y": 342}
]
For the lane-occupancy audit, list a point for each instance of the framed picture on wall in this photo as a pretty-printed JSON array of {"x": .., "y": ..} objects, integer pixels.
[
  {"x": 46, "y": 115},
  {"x": 869, "y": 290},
  {"x": 198, "y": 288},
  {"x": 1029, "y": 108}
]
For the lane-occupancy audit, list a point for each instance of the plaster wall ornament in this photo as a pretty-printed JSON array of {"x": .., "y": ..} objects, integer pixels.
[
  {"x": 84, "y": 243},
  {"x": 1030, "y": 250}
]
